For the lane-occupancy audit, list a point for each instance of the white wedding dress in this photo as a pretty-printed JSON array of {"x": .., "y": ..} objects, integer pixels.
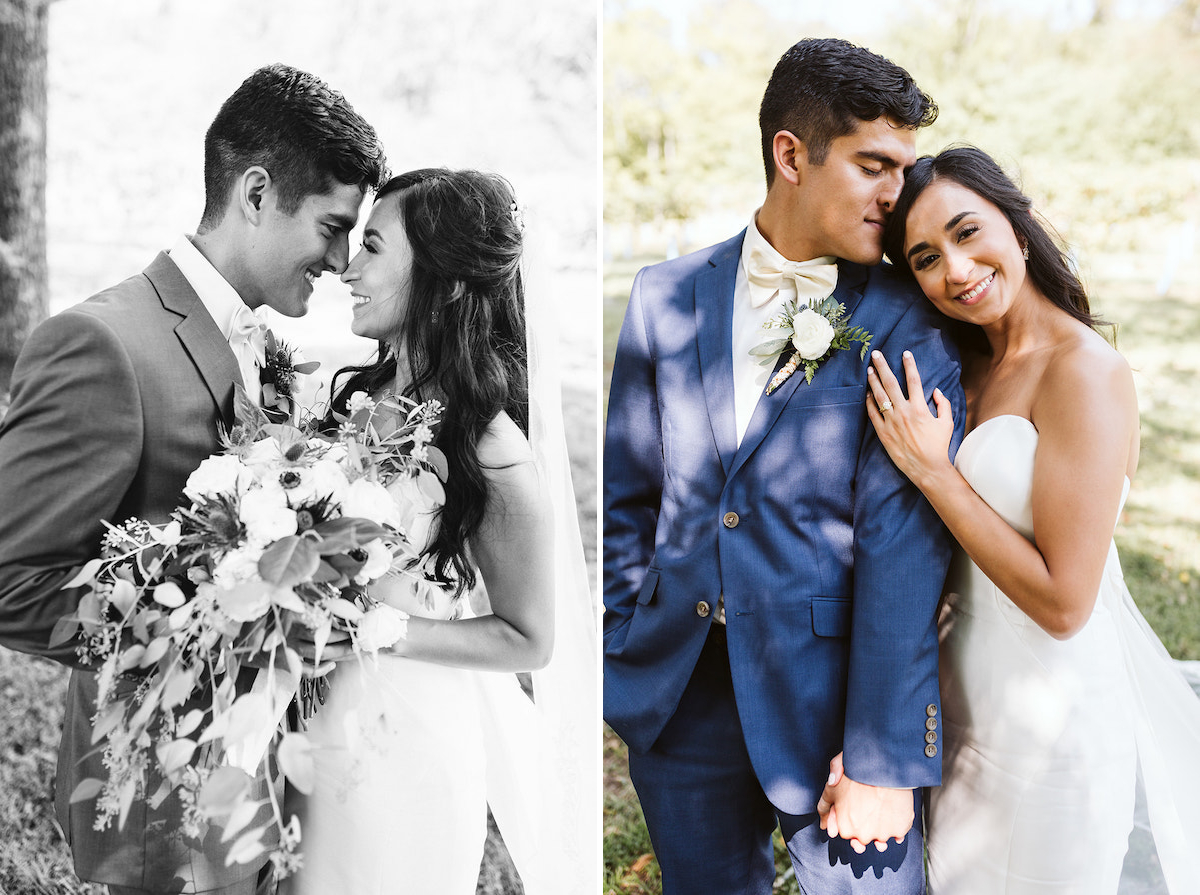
[
  {"x": 1043, "y": 738},
  {"x": 413, "y": 754},
  {"x": 408, "y": 755}
]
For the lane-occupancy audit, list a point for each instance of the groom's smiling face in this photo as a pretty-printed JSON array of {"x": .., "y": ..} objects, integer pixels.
[{"x": 292, "y": 250}]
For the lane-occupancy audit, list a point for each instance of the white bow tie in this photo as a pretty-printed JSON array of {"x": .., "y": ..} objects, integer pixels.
[
  {"x": 250, "y": 330},
  {"x": 812, "y": 279}
]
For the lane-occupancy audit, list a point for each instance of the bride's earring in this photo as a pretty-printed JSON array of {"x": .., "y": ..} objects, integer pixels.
[{"x": 1025, "y": 251}]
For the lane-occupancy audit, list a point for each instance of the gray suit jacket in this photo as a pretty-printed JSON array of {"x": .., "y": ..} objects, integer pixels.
[{"x": 114, "y": 402}]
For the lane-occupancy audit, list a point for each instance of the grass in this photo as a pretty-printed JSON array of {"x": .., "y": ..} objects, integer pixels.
[
  {"x": 629, "y": 864},
  {"x": 33, "y": 860},
  {"x": 1158, "y": 535}
]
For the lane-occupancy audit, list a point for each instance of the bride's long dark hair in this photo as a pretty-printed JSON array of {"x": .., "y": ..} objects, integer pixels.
[
  {"x": 1048, "y": 265},
  {"x": 463, "y": 333}
]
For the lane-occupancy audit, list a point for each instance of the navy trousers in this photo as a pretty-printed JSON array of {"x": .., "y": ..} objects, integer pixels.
[{"x": 711, "y": 824}]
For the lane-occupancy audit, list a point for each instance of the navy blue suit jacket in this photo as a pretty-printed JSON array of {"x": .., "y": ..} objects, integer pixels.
[{"x": 834, "y": 569}]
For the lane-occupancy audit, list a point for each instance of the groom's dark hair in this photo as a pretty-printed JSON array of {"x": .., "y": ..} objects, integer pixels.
[
  {"x": 823, "y": 87},
  {"x": 300, "y": 130}
]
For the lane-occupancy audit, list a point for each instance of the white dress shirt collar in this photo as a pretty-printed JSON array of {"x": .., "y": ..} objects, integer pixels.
[{"x": 219, "y": 298}]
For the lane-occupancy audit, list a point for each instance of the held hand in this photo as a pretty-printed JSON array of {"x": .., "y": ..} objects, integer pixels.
[
  {"x": 337, "y": 647},
  {"x": 863, "y": 813},
  {"x": 916, "y": 440}
]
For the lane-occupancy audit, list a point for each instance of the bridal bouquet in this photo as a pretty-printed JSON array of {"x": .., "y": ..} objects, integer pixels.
[{"x": 284, "y": 531}]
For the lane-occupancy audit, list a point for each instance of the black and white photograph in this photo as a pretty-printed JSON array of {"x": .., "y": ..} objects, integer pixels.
[{"x": 298, "y": 471}]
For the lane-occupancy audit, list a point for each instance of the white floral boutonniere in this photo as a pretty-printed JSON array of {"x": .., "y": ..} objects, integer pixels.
[{"x": 813, "y": 331}]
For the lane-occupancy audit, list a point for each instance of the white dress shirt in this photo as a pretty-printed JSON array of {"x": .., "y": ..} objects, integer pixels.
[
  {"x": 224, "y": 305},
  {"x": 750, "y": 312},
  {"x": 752, "y": 307}
]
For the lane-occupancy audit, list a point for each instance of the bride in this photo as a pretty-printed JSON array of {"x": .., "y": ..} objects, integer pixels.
[
  {"x": 411, "y": 750},
  {"x": 1054, "y": 689}
]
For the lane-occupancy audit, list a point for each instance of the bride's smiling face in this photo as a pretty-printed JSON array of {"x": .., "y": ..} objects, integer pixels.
[
  {"x": 380, "y": 274},
  {"x": 964, "y": 253}
]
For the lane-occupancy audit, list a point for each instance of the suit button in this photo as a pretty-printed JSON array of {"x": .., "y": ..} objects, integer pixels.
[
  {"x": 931, "y": 710},
  {"x": 731, "y": 520},
  {"x": 931, "y": 723},
  {"x": 931, "y": 750},
  {"x": 703, "y": 609},
  {"x": 931, "y": 737}
]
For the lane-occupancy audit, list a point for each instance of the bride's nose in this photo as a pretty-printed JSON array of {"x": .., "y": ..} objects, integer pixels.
[{"x": 958, "y": 268}]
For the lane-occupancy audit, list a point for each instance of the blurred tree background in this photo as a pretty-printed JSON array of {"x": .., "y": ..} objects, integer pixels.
[
  {"x": 1090, "y": 104},
  {"x": 1096, "y": 116}
]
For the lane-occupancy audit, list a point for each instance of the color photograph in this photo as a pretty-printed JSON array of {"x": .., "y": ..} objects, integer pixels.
[{"x": 857, "y": 641}]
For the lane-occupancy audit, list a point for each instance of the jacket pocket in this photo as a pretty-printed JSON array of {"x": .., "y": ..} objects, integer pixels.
[
  {"x": 831, "y": 616},
  {"x": 827, "y": 397},
  {"x": 649, "y": 586}
]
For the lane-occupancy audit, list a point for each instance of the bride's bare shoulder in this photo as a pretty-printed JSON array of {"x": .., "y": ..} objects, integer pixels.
[
  {"x": 1086, "y": 371},
  {"x": 503, "y": 444},
  {"x": 516, "y": 490}
]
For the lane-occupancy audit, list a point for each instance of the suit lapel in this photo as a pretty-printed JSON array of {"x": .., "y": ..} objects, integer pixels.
[
  {"x": 198, "y": 333},
  {"x": 849, "y": 292},
  {"x": 714, "y": 335}
]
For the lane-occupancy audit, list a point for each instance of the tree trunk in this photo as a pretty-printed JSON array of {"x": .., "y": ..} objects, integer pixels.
[{"x": 23, "y": 283}]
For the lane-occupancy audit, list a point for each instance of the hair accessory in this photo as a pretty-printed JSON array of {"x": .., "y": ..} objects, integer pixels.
[{"x": 518, "y": 216}]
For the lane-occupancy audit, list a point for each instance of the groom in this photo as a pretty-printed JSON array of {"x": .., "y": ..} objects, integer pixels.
[
  {"x": 116, "y": 400},
  {"x": 771, "y": 578}
]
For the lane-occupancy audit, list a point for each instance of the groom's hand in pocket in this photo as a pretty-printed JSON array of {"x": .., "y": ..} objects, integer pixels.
[{"x": 863, "y": 813}]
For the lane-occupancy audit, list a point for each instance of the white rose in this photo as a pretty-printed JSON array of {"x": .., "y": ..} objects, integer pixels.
[
  {"x": 245, "y": 602},
  {"x": 370, "y": 500},
  {"x": 264, "y": 454},
  {"x": 267, "y": 518},
  {"x": 813, "y": 333},
  {"x": 381, "y": 626},
  {"x": 379, "y": 560},
  {"x": 335, "y": 452},
  {"x": 237, "y": 566},
  {"x": 220, "y": 474},
  {"x": 328, "y": 479}
]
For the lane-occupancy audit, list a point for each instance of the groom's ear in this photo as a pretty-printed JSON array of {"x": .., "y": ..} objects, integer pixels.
[
  {"x": 252, "y": 188},
  {"x": 790, "y": 156}
]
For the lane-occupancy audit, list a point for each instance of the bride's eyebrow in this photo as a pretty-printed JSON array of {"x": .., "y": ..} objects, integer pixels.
[
  {"x": 372, "y": 232},
  {"x": 950, "y": 225}
]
